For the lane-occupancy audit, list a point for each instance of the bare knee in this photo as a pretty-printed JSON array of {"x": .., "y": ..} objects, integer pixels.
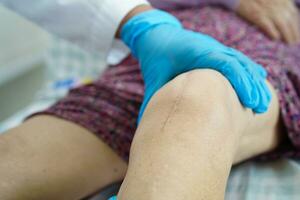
[
  {"x": 203, "y": 94},
  {"x": 189, "y": 114},
  {"x": 208, "y": 96}
]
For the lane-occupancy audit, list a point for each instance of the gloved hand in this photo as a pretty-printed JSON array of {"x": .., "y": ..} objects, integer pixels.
[{"x": 165, "y": 50}]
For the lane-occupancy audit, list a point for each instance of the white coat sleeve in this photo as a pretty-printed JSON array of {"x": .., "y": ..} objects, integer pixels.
[{"x": 91, "y": 24}]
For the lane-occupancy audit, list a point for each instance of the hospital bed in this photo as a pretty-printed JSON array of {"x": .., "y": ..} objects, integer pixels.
[{"x": 277, "y": 180}]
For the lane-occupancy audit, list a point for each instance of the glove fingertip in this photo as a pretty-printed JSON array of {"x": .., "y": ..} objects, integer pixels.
[
  {"x": 113, "y": 198},
  {"x": 263, "y": 106},
  {"x": 252, "y": 99},
  {"x": 262, "y": 71},
  {"x": 249, "y": 103},
  {"x": 268, "y": 94},
  {"x": 261, "y": 109},
  {"x": 248, "y": 100}
]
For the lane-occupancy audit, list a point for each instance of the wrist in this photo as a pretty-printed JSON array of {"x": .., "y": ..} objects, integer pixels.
[
  {"x": 137, "y": 10},
  {"x": 133, "y": 31}
]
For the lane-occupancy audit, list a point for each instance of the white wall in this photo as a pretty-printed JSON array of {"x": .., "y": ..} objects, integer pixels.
[{"x": 22, "y": 46}]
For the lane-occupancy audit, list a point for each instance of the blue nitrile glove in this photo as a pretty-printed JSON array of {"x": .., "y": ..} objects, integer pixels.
[
  {"x": 165, "y": 50},
  {"x": 113, "y": 198}
]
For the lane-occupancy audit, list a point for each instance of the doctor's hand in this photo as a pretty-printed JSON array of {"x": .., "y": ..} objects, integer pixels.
[
  {"x": 165, "y": 50},
  {"x": 279, "y": 19}
]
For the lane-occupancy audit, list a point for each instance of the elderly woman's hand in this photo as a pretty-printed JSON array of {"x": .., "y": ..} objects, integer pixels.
[{"x": 279, "y": 19}]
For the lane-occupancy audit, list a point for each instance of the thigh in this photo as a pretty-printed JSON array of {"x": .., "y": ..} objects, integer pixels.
[{"x": 50, "y": 158}]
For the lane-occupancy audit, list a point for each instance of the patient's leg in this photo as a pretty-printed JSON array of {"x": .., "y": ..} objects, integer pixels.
[
  {"x": 49, "y": 158},
  {"x": 192, "y": 132}
]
